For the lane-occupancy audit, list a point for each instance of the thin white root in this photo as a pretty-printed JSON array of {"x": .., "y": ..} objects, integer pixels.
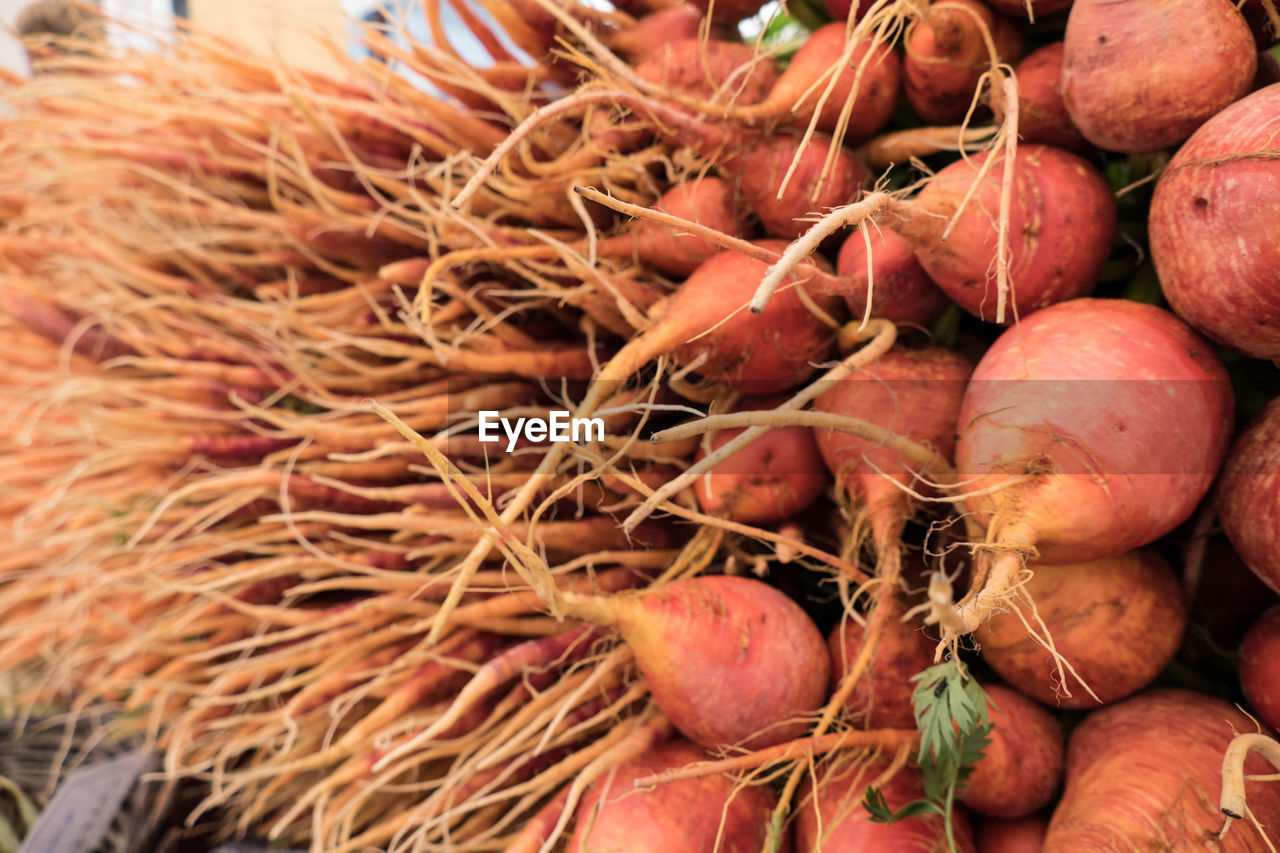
[
  {"x": 1013, "y": 547},
  {"x": 1272, "y": 15},
  {"x": 1232, "y": 802},
  {"x": 1009, "y": 91},
  {"x": 808, "y": 242},
  {"x": 883, "y": 332},
  {"x": 928, "y": 460}
]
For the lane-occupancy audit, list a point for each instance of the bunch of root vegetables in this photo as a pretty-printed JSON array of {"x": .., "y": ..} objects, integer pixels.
[{"x": 936, "y": 498}]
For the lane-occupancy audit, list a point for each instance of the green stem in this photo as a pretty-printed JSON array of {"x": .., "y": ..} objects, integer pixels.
[{"x": 948, "y": 814}]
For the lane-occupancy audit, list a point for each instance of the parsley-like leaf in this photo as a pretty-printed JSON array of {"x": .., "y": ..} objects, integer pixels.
[
  {"x": 953, "y": 716},
  {"x": 876, "y": 806}
]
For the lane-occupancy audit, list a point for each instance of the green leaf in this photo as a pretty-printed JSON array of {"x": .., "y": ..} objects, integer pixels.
[
  {"x": 948, "y": 326},
  {"x": 812, "y": 14},
  {"x": 876, "y": 806}
]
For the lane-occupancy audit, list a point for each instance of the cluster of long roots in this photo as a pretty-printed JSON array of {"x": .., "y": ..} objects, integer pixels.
[{"x": 210, "y": 264}]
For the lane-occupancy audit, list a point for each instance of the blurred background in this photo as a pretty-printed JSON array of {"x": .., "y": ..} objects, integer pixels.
[{"x": 290, "y": 29}]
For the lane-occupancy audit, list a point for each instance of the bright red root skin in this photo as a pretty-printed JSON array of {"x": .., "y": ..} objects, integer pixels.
[
  {"x": 1021, "y": 767},
  {"x": 771, "y": 479},
  {"x": 1249, "y": 496},
  {"x": 882, "y": 699},
  {"x": 835, "y": 822},
  {"x": 729, "y": 72},
  {"x": 877, "y": 96},
  {"x": 946, "y": 54},
  {"x": 1022, "y": 835},
  {"x": 1145, "y": 774},
  {"x": 915, "y": 393},
  {"x": 730, "y": 660},
  {"x": 1215, "y": 238},
  {"x": 1062, "y": 220},
  {"x": 1120, "y": 412},
  {"x": 903, "y": 293},
  {"x": 652, "y": 32},
  {"x": 764, "y": 163},
  {"x": 757, "y": 162},
  {"x": 708, "y": 201},
  {"x": 1196, "y": 56},
  {"x": 762, "y": 353},
  {"x": 1117, "y": 621},
  {"x": 1042, "y": 115},
  {"x": 1260, "y": 667},
  {"x": 692, "y": 814}
]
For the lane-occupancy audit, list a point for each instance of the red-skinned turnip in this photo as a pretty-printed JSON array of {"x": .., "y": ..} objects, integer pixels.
[
  {"x": 731, "y": 661},
  {"x": 1214, "y": 232},
  {"x": 834, "y": 821},
  {"x": 1140, "y": 75},
  {"x": 1260, "y": 667},
  {"x": 1092, "y": 428},
  {"x": 1021, "y": 767},
  {"x": 772, "y": 479},
  {"x": 1249, "y": 493},
  {"x": 711, "y": 813},
  {"x": 1145, "y": 774},
  {"x": 948, "y": 50},
  {"x": 1117, "y": 621}
]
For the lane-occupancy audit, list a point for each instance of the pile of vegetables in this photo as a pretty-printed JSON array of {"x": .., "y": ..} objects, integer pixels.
[{"x": 933, "y": 507}]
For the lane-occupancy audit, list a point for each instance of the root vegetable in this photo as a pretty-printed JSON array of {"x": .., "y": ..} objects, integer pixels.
[
  {"x": 1117, "y": 621},
  {"x": 731, "y": 661},
  {"x": 948, "y": 50},
  {"x": 772, "y": 479},
  {"x": 764, "y": 165},
  {"x": 1140, "y": 75},
  {"x": 1145, "y": 774},
  {"x": 903, "y": 291},
  {"x": 824, "y": 174},
  {"x": 712, "y": 813},
  {"x": 522, "y": 660},
  {"x": 872, "y": 83},
  {"x": 1058, "y": 232},
  {"x": 915, "y": 393},
  {"x": 706, "y": 200},
  {"x": 834, "y": 820},
  {"x": 706, "y": 319},
  {"x": 652, "y": 32},
  {"x": 882, "y": 698},
  {"x": 1249, "y": 491},
  {"x": 1021, "y": 767},
  {"x": 1042, "y": 114},
  {"x": 1260, "y": 667},
  {"x": 1213, "y": 232},
  {"x": 1092, "y": 428},
  {"x": 1062, "y": 219},
  {"x": 714, "y": 70}
]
